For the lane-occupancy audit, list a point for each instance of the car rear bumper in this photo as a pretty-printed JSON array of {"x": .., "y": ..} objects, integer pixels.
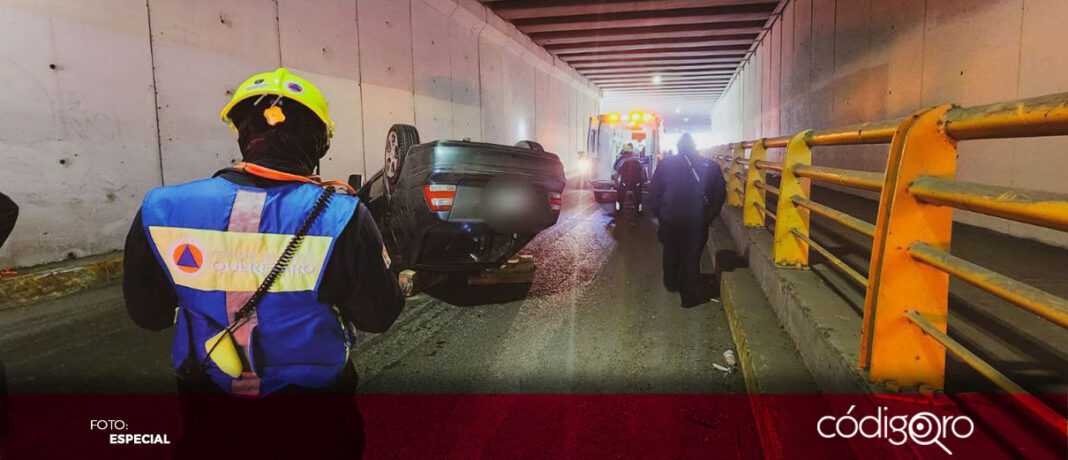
[
  {"x": 469, "y": 236},
  {"x": 465, "y": 246}
]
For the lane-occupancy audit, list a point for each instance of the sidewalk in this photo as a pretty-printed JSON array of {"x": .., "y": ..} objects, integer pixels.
[
  {"x": 1030, "y": 350},
  {"x": 60, "y": 279}
]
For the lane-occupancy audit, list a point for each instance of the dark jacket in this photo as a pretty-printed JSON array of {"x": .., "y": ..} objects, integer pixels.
[
  {"x": 355, "y": 279},
  {"x": 620, "y": 159},
  {"x": 678, "y": 197},
  {"x": 9, "y": 212},
  {"x": 630, "y": 169}
]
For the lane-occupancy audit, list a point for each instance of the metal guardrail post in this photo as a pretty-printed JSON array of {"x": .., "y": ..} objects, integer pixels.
[
  {"x": 892, "y": 348},
  {"x": 791, "y": 251},
  {"x": 751, "y": 214},
  {"x": 733, "y": 183}
]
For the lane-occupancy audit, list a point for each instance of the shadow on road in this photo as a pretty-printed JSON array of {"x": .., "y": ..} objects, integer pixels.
[{"x": 456, "y": 291}]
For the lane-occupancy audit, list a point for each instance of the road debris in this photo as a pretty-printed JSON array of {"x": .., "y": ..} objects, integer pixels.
[{"x": 729, "y": 357}]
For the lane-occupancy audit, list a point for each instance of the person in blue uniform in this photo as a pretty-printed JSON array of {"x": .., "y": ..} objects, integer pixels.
[
  {"x": 686, "y": 195},
  {"x": 264, "y": 369}
]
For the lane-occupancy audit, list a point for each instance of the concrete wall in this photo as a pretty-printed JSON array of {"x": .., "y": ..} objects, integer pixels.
[
  {"x": 105, "y": 99},
  {"x": 826, "y": 63}
]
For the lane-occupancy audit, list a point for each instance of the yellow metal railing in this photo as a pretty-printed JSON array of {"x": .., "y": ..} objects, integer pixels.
[{"x": 906, "y": 303}]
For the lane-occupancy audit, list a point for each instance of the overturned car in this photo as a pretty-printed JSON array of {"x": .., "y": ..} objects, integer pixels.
[{"x": 461, "y": 206}]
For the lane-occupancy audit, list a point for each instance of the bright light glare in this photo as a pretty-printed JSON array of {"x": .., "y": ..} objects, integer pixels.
[
  {"x": 703, "y": 140},
  {"x": 657, "y": 79},
  {"x": 584, "y": 166},
  {"x": 647, "y": 117},
  {"x": 635, "y": 116},
  {"x": 614, "y": 116}
]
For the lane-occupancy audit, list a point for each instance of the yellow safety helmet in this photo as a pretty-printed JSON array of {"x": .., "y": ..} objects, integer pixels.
[{"x": 283, "y": 83}]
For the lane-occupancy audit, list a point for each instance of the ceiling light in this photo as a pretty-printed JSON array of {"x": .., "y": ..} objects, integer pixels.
[{"x": 657, "y": 79}]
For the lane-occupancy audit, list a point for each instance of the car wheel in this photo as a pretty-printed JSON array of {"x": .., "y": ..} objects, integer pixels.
[
  {"x": 398, "y": 141},
  {"x": 530, "y": 145}
]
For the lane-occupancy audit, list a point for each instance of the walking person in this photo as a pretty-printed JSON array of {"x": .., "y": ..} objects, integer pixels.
[{"x": 686, "y": 195}]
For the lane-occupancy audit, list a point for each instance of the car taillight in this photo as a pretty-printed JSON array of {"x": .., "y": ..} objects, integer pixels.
[
  {"x": 439, "y": 197},
  {"x": 554, "y": 202}
]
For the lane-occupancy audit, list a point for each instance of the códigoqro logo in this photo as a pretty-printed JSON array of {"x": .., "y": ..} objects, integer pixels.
[{"x": 923, "y": 428}]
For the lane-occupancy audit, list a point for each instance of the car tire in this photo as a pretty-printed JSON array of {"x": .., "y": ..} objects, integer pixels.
[
  {"x": 399, "y": 139},
  {"x": 530, "y": 145}
]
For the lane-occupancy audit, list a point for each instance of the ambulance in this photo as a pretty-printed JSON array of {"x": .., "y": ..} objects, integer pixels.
[{"x": 608, "y": 134}]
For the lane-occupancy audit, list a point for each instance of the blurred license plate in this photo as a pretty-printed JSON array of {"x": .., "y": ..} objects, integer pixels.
[{"x": 511, "y": 199}]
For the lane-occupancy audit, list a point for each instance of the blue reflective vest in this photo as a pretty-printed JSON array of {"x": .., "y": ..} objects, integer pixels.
[{"x": 217, "y": 241}]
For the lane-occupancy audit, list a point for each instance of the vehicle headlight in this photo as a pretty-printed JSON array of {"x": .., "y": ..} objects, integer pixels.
[{"x": 584, "y": 165}]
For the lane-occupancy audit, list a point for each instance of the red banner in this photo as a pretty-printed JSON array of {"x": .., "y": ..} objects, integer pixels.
[{"x": 529, "y": 426}]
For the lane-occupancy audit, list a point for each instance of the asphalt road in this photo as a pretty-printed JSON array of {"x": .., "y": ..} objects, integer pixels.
[{"x": 595, "y": 319}]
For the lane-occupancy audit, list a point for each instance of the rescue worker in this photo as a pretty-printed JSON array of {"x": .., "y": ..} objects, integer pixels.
[
  {"x": 9, "y": 213},
  {"x": 630, "y": 176},
  {"x": 686, "y": 196},
  {"x": 197, "y": 257},
  {"x": 647, "y": 163},
  {"x": 625, "y": 153}
]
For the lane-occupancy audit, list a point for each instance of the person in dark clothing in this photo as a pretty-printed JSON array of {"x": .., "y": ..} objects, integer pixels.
[
  {"x": 686, "y": 196},
  {"x": 286, "y": 354},
  {"x": 9, "y": 213},
  {"x": 626, "y": 153},
  {"x": 630, "y": 176}
]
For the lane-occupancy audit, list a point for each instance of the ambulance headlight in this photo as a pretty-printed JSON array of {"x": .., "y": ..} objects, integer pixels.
[{"x": 584, "y": 165}]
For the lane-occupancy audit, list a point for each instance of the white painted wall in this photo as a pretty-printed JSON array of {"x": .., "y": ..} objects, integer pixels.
[
  {"x": 80, "y": 143},
  {"x": 826, "y": 63}
]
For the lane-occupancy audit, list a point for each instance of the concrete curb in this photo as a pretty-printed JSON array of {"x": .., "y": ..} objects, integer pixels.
[
  {"x": 770, "y": 444},
  {"x": 767, "y": 355},
  {"x": 773, "y": 368},
  {"x": 60, "y": 279},
  {"x": 822, "y": 325}
]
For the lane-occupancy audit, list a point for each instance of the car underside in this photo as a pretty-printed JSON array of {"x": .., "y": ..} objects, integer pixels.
[{"x": 461, "y": 206}]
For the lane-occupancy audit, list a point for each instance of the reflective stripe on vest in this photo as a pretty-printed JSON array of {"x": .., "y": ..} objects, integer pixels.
[{"x": 217, "y": 241}]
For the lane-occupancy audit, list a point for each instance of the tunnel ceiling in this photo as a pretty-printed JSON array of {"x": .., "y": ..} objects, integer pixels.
[{"x": 647, "y": 48}]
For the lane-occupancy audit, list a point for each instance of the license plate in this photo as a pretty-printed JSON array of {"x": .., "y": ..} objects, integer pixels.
[{"x": 511, "y": 199}]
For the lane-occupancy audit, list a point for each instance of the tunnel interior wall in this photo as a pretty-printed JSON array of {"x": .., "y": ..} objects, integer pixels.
[
  {"x": 105, "y": 99},
  {"x": 826, "y": 63}
]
